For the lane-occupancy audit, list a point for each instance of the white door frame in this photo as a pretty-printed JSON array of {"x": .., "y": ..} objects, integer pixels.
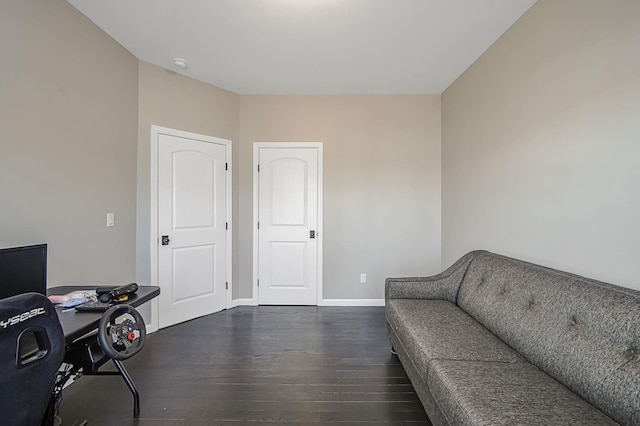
[
  {"x": 319, "y": 233},
  {"x": 156, "y": 131}
]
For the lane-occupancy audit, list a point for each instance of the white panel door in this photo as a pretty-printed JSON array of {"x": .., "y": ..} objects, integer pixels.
[
  {"x": 192, "y": 228},
  {"x": 288, "y": 225}
]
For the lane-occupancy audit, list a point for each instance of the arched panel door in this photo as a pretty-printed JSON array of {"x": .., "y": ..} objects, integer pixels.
[
  {"x": 288, "y": 205},
  {"x": 192, "y": 222}
]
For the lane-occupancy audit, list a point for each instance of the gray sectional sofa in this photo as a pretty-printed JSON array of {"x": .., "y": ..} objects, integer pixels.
[{"x": 498, "y": 341}]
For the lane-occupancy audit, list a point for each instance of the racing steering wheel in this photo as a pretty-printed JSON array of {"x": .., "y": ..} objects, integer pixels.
[{"x": 125, "y": 339}]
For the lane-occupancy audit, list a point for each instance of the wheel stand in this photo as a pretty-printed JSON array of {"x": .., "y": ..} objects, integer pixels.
[
  {"x": 127, "y": 378},
  {"x": 86, "y": 357}
]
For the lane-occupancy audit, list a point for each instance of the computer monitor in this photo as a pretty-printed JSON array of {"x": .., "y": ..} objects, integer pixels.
[{"x": 23, "y": 270}]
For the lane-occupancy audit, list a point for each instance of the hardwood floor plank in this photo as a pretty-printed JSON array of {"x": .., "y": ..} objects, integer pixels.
[{"x": 265, "y": 365}]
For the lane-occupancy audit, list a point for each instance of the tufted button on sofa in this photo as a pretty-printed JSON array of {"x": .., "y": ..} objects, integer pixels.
[{"x": 498, "y": 341}]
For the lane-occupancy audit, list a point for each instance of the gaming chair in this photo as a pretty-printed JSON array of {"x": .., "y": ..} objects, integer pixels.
[{"x": 32, "y": 348}]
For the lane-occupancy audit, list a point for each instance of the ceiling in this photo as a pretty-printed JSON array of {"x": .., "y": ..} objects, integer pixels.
[{"x": 310, "y": 46}]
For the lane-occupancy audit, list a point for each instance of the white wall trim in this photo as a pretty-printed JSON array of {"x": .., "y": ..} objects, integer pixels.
[
  {"x": 351, "y": 302},
  {"x": 324, "y": 302},
  {"x": 153, "y": 308},
  {"x": 243, "y": 302},
  {"x": 154, "y": 240},
  {"x": 320, "y": 234}
]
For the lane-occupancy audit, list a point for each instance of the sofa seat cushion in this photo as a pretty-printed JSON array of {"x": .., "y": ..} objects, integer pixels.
[
  {"x": 438, "y": 329},
  {"x": 498, "y": 393}
]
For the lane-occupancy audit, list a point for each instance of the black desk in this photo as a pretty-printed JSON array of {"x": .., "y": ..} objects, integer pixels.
[
  {"x": 82, "y": 348},
  {"x": 76, "y": 324}
]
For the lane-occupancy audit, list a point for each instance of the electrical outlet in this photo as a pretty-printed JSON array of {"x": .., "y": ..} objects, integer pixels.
[
  {"x": 111, "y": 220},
  {"x": 363, "y": 278}
]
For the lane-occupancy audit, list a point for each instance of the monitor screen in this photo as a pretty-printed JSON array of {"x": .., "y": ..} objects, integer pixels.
[{"x": 23, "y": 270}]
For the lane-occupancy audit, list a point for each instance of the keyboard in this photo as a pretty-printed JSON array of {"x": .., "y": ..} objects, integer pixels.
[{"x": 93, "y": 307}]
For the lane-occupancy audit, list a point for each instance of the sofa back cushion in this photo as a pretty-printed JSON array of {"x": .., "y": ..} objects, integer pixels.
[{"x": 582, "y": 332}]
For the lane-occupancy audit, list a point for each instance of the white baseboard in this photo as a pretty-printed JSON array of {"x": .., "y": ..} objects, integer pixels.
[
  {"x": 351, "y": 302},
  {"x": 323, "y": 302},
  {"x": 243, "y": 302}
]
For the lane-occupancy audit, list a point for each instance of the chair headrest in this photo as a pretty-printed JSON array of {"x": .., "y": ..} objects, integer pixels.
[{"x": 33, "y": 309}]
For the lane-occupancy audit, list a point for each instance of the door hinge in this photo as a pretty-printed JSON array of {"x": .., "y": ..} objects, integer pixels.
[
  {"x": 258, "y": 282},
  {"x": 258, "y": 168},
  {"x": 226, "y": 166},
  {"x": 227, "y": 285},
  {"x": 258, "y": 225},
  {"x": 226, "y": 226}
]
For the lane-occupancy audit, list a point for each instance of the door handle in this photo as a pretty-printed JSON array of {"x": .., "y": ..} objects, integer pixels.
[
  {"x": 312, "y": 234},
  {"x": 165, "y": 240}
]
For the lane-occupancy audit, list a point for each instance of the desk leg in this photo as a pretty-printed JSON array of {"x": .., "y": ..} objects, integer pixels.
[{"x": 132, "y": 387}]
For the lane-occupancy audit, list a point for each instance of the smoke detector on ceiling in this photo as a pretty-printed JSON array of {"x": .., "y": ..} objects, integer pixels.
[{"x": 180, "y": 63}]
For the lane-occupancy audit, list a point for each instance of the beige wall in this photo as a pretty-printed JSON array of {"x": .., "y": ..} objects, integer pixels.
[
  {"x": 68, "y": 123},
  {"x": 540, "y": 152},
  {"x": 541, "y": 143},
  {"x": 172, "y": 100},
  {"x": 379, "y": 151},
  {"x": 381, "y": 183}
]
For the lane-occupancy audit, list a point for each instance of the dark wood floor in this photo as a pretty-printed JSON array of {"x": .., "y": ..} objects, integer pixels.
[{"x": 266, "y": 365}]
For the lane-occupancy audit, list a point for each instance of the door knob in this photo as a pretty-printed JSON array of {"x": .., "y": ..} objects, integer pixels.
[
  {"x": 165, "y": 240},
  {"x": 312, "y": 234}
]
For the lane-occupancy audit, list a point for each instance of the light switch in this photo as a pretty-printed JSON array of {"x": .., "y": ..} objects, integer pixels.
[
  {"x": 111, "y": 220},
  {"x": 363, "y": 278}
]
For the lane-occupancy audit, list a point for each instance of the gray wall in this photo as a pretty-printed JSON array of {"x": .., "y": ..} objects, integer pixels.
[
  {"x": 381, "y": 183},
  {"x": 172, "y": 100},
  {"x": 541, "y": 143},
  {"x": 540, "y": 151},
  {"x": 379, "y": 152},
  {"x": 68, "y": 123}
]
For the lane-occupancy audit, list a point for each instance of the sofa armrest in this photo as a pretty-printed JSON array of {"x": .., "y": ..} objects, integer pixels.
[{"x": 442, "y": 286}]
